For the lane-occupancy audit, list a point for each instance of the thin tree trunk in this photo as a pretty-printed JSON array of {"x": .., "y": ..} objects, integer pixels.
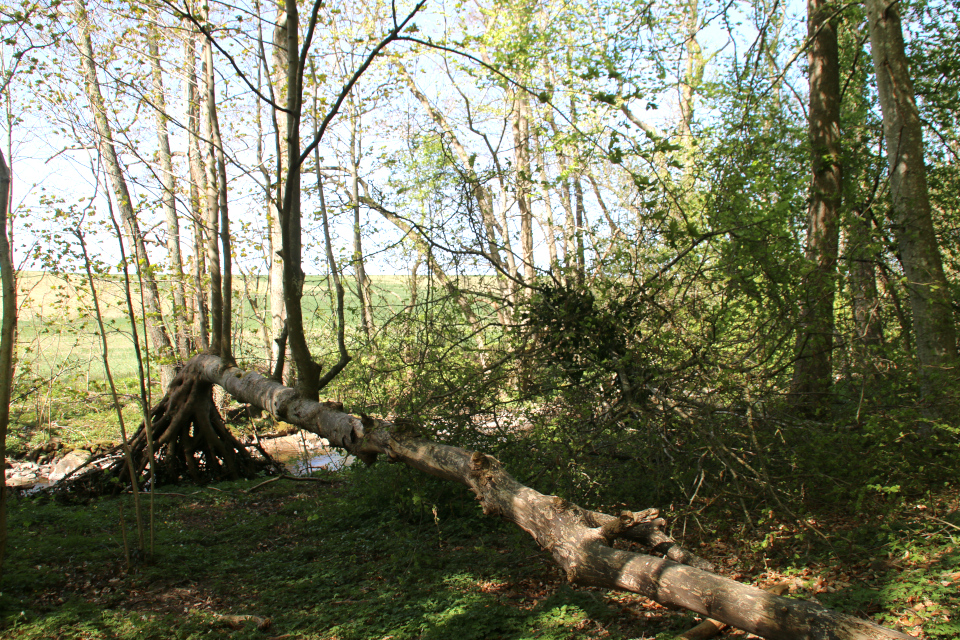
[
  {"x": 169, "y": 195},
  {"x": 308, "y": 371},
  {"x": 521, "y": 155},
  {"x": 548, "y": 226},
  {"x": 212, "y": 208},
  {"x": 198, "y": 189},
  {"x": 280, "y": 93},
  {"x": 151, "y": 294},
  {"x": 863, "y": 282},
  {"x": 226, "y": 296},
  {"x": 580, "y": 215},
  {"x": 813, "y": 372},
  {"x": 265, "y": 327},
  {"x": 566, "y": 201},
  {"x": 920, "y": 254},
  {"x": 8, "y": 332},
  {"x": 363, "y": 283},
  {"x": 345, "y": 357},
  {"x": 105, "y": 354},
  {"x": 693, "y": 77}
]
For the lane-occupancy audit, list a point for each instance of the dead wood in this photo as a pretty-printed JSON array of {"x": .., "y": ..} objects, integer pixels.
[
  {"x": 579, "y": 540},
  {"x": 709, "y": 627},
  {"x": 193, "y": 444}
]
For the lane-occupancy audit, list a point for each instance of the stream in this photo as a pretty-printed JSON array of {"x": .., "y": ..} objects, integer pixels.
[{"x": 301, "y": 454}]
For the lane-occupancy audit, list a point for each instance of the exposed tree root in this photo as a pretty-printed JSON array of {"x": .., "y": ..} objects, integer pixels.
[{"x": 191, "y": 441}]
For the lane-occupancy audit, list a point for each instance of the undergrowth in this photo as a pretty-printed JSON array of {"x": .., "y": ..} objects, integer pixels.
[{"x": 386, "y": 551}]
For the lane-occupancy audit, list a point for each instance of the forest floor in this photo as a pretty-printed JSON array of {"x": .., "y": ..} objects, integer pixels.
[{"x": 382, "y": 553}]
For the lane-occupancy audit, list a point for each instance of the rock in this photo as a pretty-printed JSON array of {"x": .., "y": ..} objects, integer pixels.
[
  {"x": 22, "y": 481},
  {"x": 68, "y": 463}
]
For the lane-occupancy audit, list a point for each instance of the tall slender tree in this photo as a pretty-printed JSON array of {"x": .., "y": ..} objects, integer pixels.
[
  {"x": 8, "y": 332},
  {"x": 933, "y": 319},
  {"x": 812, "y": 379},
  {"x": 105, "y": 143},
  {"x": 168, "y": 196}
]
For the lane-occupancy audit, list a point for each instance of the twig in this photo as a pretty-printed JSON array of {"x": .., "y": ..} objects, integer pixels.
[
  {"x": 288, "y": 477},
  {"x": 941, "y": 521}
]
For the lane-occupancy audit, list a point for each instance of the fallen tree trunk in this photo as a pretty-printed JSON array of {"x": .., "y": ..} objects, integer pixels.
[{"x": 580, "y": 540}]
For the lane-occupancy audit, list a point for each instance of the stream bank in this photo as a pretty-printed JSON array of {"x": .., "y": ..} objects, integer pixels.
[{"x": 301, "y": 453}]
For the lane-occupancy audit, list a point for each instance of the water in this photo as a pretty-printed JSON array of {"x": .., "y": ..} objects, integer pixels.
[{"x": 303, "y": 464}]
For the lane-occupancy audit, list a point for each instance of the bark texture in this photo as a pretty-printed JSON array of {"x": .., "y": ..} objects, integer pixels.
[
  {"x": 580, "y": 540},
  {"x": 919, "y": 252},
  {"x": 278, "y": 307},
  {"x": 8, "y": 331},
  {"x": 813, "y": 374}
]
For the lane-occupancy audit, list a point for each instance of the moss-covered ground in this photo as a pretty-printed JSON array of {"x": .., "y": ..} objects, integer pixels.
[{"x": 382, "y": 553}]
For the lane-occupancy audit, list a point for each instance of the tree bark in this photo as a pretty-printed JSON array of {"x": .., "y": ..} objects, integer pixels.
[
  {"x": 308, "y": 371},
  {"x": 579, "y": 540},
  {"x": 212, "y": 206},
  {"x": 198, "y": 186},
  {"x": 920, "y": 254},
  {"x": 278, "y": 307},
  {"x": 151, "y": 294},
  {"x": 693, "y": 78},
  {"x": 813, "y": 372},
  {"x": 863, "y": 282},
  {"x": 169, "y": 194},
  {"x": 363, "y": 282},
  {"x": 226, "y": 275},
  {"x": 8, "y": 332},
  {"x": 524, "y": 174}
]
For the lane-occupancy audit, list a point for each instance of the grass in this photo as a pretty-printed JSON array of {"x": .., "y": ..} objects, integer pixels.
[
  {"x": 60, "y": 385},
  {"x": 320, "y": 561},
  {"x": 385, "y": 552}
]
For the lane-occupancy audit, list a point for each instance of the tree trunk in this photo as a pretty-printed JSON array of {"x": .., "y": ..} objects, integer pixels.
[
  {"x": 8, "y": 332},
  {"x": 226, "y": 276},
  {"x": 580, "y": 540},
  {"x": 693, "y": 77},
  {"x": 927, "y": 285},
  {"x": 198, "y": 186},
  {"x": 169, "y": 195},
  {"x": 547, "y": 225},
  {"x": 813, "y": 372},
  {"x": 363, "y": 282},
  {"x": 269, "y": 346},
  {"x": 278, "y": 307},
  {"x": 151, "y": 294},
  {"x": 524, "y": 174},
  {"x": 863, "y": 282},
  {"x": 308, "y": 371},
  {"x": 212, "y": 206}
]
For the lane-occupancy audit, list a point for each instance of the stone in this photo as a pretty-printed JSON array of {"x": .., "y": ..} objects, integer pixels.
[{"x": 67, "y": 464}]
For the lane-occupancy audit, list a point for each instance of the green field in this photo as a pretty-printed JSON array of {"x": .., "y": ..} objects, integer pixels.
[{"x": 60, "y": 378}]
